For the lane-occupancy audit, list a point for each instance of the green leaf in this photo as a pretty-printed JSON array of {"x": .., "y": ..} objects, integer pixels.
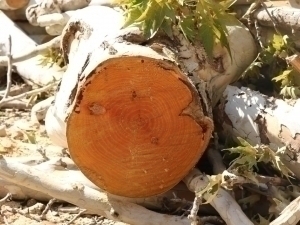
[
  {"x": 150, "y": 16},
  {"x": 278, "y": 42},
  {"x": 132, "y": 16},
  {"x": 206, "y": 35},
  {"x": 285, "y": 75},
  {"x": 222, "y": 30},
  {"x": 31, "y": 137},
  {"x": 167, "y": 28},
  {"x": 188, "y": 28}
]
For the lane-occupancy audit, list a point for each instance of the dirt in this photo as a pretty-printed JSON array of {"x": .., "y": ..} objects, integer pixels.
[{"x": 21, "y": 137}]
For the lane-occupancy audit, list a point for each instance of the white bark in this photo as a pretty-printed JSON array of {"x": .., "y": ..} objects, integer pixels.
[
  {"x": 59, "y": 178},
  {"x": 285, "y": 17},
  {"x": 262, "y": 120},
  {"x": 73, "y": 191},
  {"x": 223, "y": 202},
  {"x": 64, "y": 169},
  {"x": 243, "y": 52},
  {"x": 55, "y": 118},
  {"x": 29, "y": 69},
  {"x": 39, "y": 110},
  {"x": 290, "y": 215}
]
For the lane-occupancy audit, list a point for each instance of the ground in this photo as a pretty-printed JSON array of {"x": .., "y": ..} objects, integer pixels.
[{"x": 16, "y": 131}]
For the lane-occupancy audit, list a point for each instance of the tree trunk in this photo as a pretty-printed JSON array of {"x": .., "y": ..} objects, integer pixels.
[{"x": 134, "y": 122}]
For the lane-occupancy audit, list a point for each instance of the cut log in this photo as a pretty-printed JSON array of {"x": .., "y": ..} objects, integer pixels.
[
  {"x": 143, "y": 112},
  {"x": 135, "y": 124}
]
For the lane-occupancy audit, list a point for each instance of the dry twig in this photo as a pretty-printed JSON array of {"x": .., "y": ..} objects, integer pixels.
[
  {"x": 29, "y": 93},
  {"x": 9, "y": 70},
  {"x": 48, "y": 206},
  {"x": 5, "y": 199},
  {"x": 77, "y": 216},
  {"x": 194, "y": 211},
  {"x": 54, "y": 43}
]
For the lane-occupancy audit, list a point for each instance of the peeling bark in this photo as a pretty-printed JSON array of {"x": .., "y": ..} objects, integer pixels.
[{"x": 262, "y": 120}]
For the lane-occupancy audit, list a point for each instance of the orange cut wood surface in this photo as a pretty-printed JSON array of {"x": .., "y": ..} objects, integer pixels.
[{"x": 128, "y": 133}]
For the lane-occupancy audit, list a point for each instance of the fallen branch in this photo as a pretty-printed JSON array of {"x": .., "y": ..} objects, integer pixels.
[
  {"x": 261, "y": 120},
  {"x": 32, "y": 52},
  {"x": 29, "y": 93},
  {"x": 30, "y": 68},
  {"x": 226, "y": 206},
  {"x": 39, "y": 110},
  {"x": 84, "y": 197},
  {"x": 9, "y": 70},
  {"x": 285, "y": 17},
  {"x": 17, "y": 90},
  {"x": 290, "y": 215},
  {"x": 5, "y": 199}
]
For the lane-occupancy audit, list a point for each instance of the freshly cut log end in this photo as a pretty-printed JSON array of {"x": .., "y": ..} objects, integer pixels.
[{"x": 137, "y": 126}]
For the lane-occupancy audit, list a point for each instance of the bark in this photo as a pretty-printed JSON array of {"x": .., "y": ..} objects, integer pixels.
[
  {"x": 62, "y": 168},
  {"x": 290, "y": 215},
  {"x": 39, "y": 110},
  {"x": 137, "y": 85},
  {"x": 59, "y": 178},
  {"x": 285, "y": 17},
  {"x": 30, "y": 68},
  {"x": 140, "y": 118},
  {"x": 83, "y": 196},
  {"x": 223, "y": 202},
  {"x": 262, "y": 120}
]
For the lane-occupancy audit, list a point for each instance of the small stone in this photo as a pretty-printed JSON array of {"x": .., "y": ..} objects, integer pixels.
[{"x": 2, "y": 130}]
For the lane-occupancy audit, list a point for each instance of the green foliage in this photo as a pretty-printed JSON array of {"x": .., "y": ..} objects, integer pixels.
[
  {"x": 249, "y": 156},
  {"x": 202, "y": 20},
  {"x": 52, "y": 56},
  {"x": 272, "y": 59},
  {"x": 31, "y": 137}
]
